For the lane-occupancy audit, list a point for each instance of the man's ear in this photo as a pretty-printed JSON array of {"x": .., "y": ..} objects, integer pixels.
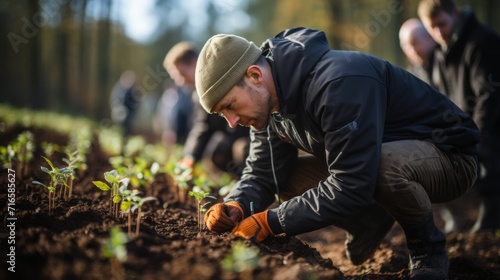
[{"x": 254, "y": 74}]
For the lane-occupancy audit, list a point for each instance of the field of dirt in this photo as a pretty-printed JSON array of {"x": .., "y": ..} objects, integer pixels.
[{"x": 67, "y": 244}]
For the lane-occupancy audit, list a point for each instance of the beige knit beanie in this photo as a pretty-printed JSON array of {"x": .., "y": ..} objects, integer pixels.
[{"x": 223, "y": 61}]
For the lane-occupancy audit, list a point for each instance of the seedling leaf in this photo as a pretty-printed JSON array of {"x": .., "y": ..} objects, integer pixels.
[
  {"x": 39, "y": 183},
  {"x": 101, "y": 185},
  {"x": 49, "y": 162},
  {"x": 125, "y": 205},
  {"x": 111, "y": 176},
  {"x": 45, "y": 169}
]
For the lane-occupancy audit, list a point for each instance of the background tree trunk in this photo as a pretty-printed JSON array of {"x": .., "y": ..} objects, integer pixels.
[
  {"x": 36, "y": 86},
  {"x": 61, "y": 57},
  {"x": 82, "y": 65},
  {"x": 103, "y": 41}
]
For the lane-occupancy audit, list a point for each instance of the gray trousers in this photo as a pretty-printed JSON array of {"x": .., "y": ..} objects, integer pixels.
[{"x": 412, "y": 175}]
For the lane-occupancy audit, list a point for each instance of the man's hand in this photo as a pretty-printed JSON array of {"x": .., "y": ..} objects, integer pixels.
[
  {"x": 223, "y": 217},
  {"x": 186, "y": 162},
  {"x": 255, "y": 226}
]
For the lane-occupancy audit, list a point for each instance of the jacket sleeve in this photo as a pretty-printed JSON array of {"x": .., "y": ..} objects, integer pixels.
[
  {"x": 257, "y": 183},
  {"x": 351, "y": 114}
]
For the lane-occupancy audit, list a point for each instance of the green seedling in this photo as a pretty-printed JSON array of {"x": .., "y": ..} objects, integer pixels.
[
  {"x": 49, "y": 148},
  {"x": 130, "y": 203},
  {"x": 202, "y": 184},
  {"x": 140, "y": 171},
  {"x": 138, "y": 205},
  {"x": 24, "y": 146},
  {"x": 120, "y": 163},
  {"x": 58, "y": 178},
  {"x": 81, "y": 140},
  {"x": 7, "y": 155},
  {"x": 148, "y": 171},
  {"x": 129, "y": 198},
  {"x": 200, "y": 196},
  {"x": 19, "y": 150},
  {"x": 114, "y": 180},
  {"x": 74, "y": 161},
  {"x": 182, "y": 176},
  {"x": 115, "y": 250},
  {"x": 241, "y": 258},
  {"x": 51, "y": 194},
  {"x": 143, "y": 172}
]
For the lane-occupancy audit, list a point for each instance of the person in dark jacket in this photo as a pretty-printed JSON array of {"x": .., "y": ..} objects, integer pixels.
[
  {"x": 418, "y": 47},
  {"x": 467, "y": 71},
  {"x": 383, "y": 145},
  {"x": 230, "y": 148},
  {"x": 176, "y": 109},
  {"x": 124, "y": 102}
]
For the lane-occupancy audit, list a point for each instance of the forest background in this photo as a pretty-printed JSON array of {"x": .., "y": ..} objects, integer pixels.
[{"x": 65, "y": 55}]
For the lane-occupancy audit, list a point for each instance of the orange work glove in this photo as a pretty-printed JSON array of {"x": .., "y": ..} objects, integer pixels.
[
  {"x": 255, "y": 226},
  {"x": 223, "y": 217}
]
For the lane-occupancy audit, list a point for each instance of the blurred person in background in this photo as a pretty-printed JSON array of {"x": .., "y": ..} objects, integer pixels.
[
  {"x": 176, "y": 110},
  {"x": 418, "y": 47},
  {"x": 224, "y": 146},
  {"x": 467, "y": 71},
  {"x": 124, "y": 103},
  {"x": 203, "y": 135}
]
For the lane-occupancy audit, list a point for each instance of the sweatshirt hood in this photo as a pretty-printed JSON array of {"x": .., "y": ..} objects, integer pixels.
[{"x": 293, "y": 54}]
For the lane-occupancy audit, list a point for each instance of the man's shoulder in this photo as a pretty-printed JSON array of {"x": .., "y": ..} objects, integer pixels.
[{"x": 480, "y": 34}]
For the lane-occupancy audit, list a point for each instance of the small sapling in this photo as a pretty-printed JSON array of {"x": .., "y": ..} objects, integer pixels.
[
  {"x": 200, "y": 195},
  {"x": 74, "y": 161},
  {"x": 138, "y": 205},
  {"x": 128, "y": 199},
  {"x": 182, "y": 176},
  {"x": 24, "y": 146},
  {"x": 51, "y": 194},
  {"x": 115, "y": 181},
  {"x": 7, "y": 155},
  {"x": 131, "y": 201},
  {"x": 19, "y": 150},
  {"x": 58, "y": 177}
]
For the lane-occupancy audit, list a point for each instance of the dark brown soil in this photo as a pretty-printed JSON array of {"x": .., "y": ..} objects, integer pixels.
[{"x": 67, "y": 244}]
